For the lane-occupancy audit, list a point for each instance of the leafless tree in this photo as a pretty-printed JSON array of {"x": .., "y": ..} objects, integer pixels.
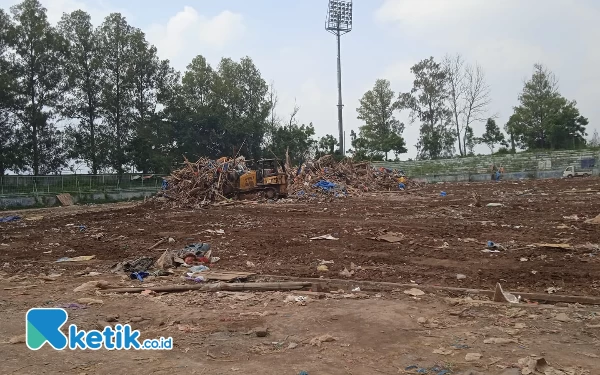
[
  {"x": 469, "y": 96},
  {"x": 295, "y": 111}
]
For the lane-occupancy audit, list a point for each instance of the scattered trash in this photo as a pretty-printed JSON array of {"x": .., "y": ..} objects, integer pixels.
[
  {"x": 302, "y": 372},
  {"x": 298, "y": 299},
  {"x": 357, "y": 289},
  {"x": 322, "y": 268},
  {"x": 325, "y": 237},
  {"x": 90, "y": 301},
  {"x": 443, "y": 194},
  {"x": 249, "y": 264},
  {"x": 91, "y": 285},
  {"x": 389, "y": 237},
  {"x": 501, "y": 296},
  {"x": 215, "y": 231},
  {"x": 171, "y": 240},
  {"x": 139, "y": 275},
  {"x": 137, "y": 265},
  {"x": 317, "y": 341},
  {"x": 92, "y": 274},
  {"x": 196, "y": 252},
  {"x": 554, "y": 245},
  {"x": 572, "y": 217},
  {"x": 473, "y": 357},
  {"x": 552, "y": 290},
  {"x": 595, "y": 220},
  {"x": 414, "y": 292},
  {"x": 346, "y": 273},
  {"x": 493, "y": 245},
  {"x": 494, "y": 205},
  {"x": 442, "y": 351},
  {"x": 490, "y": 251},
  {"x": 461, "y": 276},
  {"x": 524, "y": 260},
  {"x": 34, "y": 218},
  {"x": 325, "y": 261},
  {"x": 76, "y": 259},
  {"x": 499, "y": 341},
  {"x": 199, "y": 269},
  {"x": 8, "y": 219}
]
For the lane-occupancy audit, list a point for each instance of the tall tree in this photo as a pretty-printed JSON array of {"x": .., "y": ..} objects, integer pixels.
[
  {"x": 382, "y": 132},
  {"x": 427, "y": 102},
  {"x": 242, "y": 105},
  {"x": 468, "y": 96},
  {"x": 38, "y": 49},
  {"x": 546, "y": 120},
  {"x": 296, "y": 140},
  {"x": 82, "y": 89},
  {"x": 492, "y": 136},
  {"x": 9, "y": 150},
  {"x": 327, "y": 145},
  {"x": 192, "y": 112},
  {"x": 115, "y": 36}
]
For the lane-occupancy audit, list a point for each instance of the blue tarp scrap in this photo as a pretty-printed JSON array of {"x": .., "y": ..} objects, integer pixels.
[
  {"x": 325, "y": 185},
  {"x": 8, "y": 219}
]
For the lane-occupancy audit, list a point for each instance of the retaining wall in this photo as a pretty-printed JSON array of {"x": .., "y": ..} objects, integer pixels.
[{"x": 49, "y": 200}]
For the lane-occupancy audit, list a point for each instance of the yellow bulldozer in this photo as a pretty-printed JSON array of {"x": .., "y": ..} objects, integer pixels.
[{"x": 266, "y": 177}]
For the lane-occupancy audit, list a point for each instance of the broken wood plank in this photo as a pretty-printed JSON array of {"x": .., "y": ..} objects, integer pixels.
[
  {"x": 225, "y": 275},
  {"x": 259, "y": 287},
  {"x": 65, "y": 199},
  {"x": 156, "y": 244}
]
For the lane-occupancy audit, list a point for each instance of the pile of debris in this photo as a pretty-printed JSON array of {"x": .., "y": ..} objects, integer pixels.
[
  {"x": 202, "y": 183},
  {"x": 329, "y": 177}
]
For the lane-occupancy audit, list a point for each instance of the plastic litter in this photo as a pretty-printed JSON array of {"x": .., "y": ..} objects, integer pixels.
[
  {"x": 443, "y": 194},
  {"x": 8, "y": 219},
  {"x": 139, "y": 275},
  {"x": 76, "y": 259},
  {"x": 199, "y": 269},
  {"x": 401, "y": 186}
]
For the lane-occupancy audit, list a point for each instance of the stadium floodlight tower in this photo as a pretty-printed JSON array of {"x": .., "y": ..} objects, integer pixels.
[{"x": 339, "y": 22}]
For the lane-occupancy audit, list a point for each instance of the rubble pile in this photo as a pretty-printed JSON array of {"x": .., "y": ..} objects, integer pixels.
[
  {"x": 329, "y": 177},
  {"x": 202, "y": 183}
]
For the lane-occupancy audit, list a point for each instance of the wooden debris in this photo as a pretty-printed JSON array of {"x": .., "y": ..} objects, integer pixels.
[
  {"x": 225, "y": 275},
  {"x": 259, "y": 287},
  {"x": 65, "y": 199}
]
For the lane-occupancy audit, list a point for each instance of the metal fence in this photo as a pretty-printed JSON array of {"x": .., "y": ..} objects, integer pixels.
[{"x": 80, "y": 183}]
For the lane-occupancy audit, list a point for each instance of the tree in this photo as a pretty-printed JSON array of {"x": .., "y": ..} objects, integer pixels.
[
  {"x": 38, "y": 49},
  {"x": 492, "y": 135},
  {"x": 242, "y": 106},
  {"x": 115, "y": 36},
  {"x": 382, "y": 132},
  {"x": 327, "y": 145},
  {"x": 427, "y": 102},
  {"x": 469, "y": 142},
  {"x": 82, "y": 89},
  {"x": 469, "y": 96},
  {"x": 544, "y": 119},
  {"x": 297, "y": 140}
]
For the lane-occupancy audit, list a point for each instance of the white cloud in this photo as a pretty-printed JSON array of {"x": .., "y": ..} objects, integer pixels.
[{"x": 189, "y": 28}]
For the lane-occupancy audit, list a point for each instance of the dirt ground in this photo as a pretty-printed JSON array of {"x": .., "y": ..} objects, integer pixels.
[{"x": 375, "y": 333}]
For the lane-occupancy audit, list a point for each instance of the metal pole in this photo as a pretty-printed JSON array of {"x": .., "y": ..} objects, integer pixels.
[{"x": 340, "y": 105}]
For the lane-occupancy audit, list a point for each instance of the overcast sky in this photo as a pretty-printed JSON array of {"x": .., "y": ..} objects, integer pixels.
[{"x": 287, "y": 41}]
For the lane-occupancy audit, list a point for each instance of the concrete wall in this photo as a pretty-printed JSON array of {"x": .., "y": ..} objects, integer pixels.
[{"x": 49, "y": 200}]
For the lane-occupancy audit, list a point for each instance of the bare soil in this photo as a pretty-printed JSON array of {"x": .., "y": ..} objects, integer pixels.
[{"x": 441, "y": 237}]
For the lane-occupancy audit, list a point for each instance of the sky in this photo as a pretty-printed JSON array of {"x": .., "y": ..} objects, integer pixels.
[{"x": 288, "y": 43}]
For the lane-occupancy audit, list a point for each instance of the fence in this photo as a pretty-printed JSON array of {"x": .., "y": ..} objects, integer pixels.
[
  {"x": 521, "y": 162},
  {"x": 16, "y": 184}
]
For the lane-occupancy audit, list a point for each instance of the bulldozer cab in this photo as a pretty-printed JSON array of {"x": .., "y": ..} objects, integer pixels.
[{"x": 266, "y": 168}]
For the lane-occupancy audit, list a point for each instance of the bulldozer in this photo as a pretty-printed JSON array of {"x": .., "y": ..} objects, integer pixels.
[{"x": 263, "y": 177}]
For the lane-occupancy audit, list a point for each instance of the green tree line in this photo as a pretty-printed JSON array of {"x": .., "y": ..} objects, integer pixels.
[
  {"x": 100, "y": 95},
  {"x": 449, "y": 97}
]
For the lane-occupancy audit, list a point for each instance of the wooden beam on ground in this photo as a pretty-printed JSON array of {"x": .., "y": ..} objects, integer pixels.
[
  {"x": 376, "y": 286},
  {"x": 256, "y": 287}
]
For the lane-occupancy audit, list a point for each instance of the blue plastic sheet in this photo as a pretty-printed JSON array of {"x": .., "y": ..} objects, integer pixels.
[
  {"x": 325, "y": 185},
  {"x": 8, "y": 219}
]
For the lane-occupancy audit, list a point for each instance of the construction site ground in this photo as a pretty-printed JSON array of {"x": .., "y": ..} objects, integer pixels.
[{"x": 386, "y": 332}]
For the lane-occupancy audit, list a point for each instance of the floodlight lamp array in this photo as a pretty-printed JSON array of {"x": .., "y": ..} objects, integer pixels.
[{"x": 339, "y": 16}]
